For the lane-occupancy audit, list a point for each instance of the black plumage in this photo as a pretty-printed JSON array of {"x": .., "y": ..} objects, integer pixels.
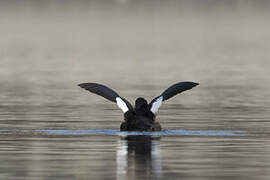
[
  {"x": 142, "y": 116},
  {"x": 104, "y": 91}
]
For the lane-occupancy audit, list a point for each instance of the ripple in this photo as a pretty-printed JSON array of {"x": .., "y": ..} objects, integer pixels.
[{"x": 136, "y": 133}]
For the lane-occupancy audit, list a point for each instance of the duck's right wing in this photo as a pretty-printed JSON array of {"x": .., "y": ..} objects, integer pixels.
[
  {"x": 109, "y": 94},
  {"x": 169, "y": 93}
]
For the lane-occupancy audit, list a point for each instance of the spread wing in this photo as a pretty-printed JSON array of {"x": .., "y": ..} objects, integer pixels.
[
  {"x": 169, "y": 93},
  {"x": 109, "y": 94}
]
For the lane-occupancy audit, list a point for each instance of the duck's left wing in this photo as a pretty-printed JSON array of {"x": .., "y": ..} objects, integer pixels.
[
  {"x": 109, "y": 94},
  {"x": 169, "y": 93}
]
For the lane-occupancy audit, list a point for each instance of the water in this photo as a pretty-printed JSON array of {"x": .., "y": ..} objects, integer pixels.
[{"x": 52, "y": 129}]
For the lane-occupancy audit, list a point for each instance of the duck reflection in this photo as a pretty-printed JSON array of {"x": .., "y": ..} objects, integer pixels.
[{"x": 139, "y": 156}]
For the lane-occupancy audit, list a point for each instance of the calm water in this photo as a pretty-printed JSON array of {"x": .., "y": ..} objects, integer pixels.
[{"x": 52, "y": 129}]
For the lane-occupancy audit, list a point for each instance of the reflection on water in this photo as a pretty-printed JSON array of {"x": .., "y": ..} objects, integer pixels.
[{"x": 139, "y": 157}]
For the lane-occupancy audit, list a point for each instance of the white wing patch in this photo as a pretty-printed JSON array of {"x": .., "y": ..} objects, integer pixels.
[
  {"x": 121, "y": 104},
  {"x": 156, "y": 105}
]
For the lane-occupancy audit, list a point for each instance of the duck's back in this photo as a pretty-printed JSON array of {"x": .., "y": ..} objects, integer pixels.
[{"x": 142, "y": 122}]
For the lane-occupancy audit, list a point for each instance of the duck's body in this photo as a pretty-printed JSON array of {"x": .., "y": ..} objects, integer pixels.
[
  {"x": 140, "y": 123},
  {"x": 142, "y": 117}
]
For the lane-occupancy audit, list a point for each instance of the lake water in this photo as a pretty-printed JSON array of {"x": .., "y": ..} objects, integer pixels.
[{"x": 52, "y": 129}]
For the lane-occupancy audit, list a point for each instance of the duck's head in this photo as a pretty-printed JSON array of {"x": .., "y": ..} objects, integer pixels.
[
  {"x": 140, "y": 102},
  {"x": 141, "y": 106}
]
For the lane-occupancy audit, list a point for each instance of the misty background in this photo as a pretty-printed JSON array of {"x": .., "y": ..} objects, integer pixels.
[{"x": 73, "y": 41}]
